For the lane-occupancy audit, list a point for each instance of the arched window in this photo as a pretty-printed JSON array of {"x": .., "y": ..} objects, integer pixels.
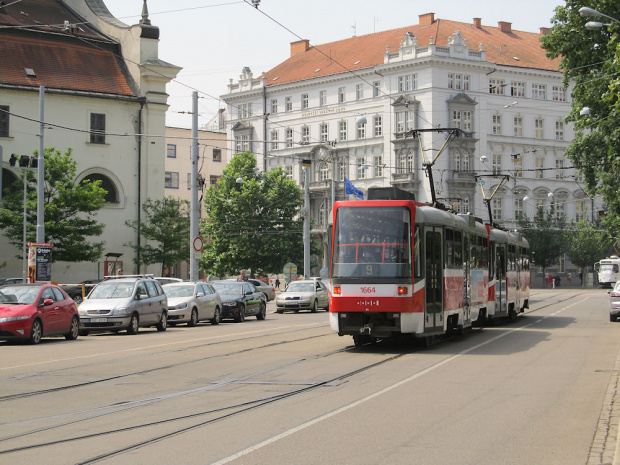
[
  {"x": 107, "y": 184},
  {"x": 323, "y": 171}
]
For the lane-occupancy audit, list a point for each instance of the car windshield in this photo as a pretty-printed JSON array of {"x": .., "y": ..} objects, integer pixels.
[
  {"x": 229, "y": 289},
  {"x": 112, "y": 290},
  {"x": 23, "y": 295},
  {"x": 300, "y": 287},
  {"x": 179, "y": 291}
]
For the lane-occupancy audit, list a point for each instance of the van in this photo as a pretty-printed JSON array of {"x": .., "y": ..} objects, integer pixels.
[{"x": 124, "y": 303}]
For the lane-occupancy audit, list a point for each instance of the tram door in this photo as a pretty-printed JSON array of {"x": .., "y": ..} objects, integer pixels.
[
  {"x": 433, "y": 313},
  {"x": 500, "y": 284}
]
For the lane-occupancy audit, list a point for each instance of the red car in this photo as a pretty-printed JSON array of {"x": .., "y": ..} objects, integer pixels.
[{"x": 32, "y": 311}]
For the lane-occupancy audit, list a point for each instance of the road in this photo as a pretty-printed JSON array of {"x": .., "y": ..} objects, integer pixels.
[{"x": 287, "y": 390}]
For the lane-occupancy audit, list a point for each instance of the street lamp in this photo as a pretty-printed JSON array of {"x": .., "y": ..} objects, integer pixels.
[{"x": 587, "y": 11}]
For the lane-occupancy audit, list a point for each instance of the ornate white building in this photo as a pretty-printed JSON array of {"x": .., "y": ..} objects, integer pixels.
[{"x": 377, "y": 109}]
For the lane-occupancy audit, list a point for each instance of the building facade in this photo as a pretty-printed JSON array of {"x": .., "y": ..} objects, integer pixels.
[
  {"x": 104, "y": 98},
  {"x": 479, "y": 108}
]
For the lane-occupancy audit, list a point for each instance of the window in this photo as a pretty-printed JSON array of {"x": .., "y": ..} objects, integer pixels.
[
  {"x": 217, "y": 155},
  {"x": 359, "y": 91},
  {"x": 242, "y": 143},
  {"x": 497, "y": 163},
  {"x": 559, "y": 169},
  {"x": 342, "y": 130},
  {"x": 288, "y": 104},
  {"x": 407, "y": 83},
  {"x": 324, "y": 132},
  {"x": 322, "y": 98},
  {"x": 517, "y": 89},
  {"x": 378, "y": 125},
  {"x": 496, "y": 125},
  {"x": 323, "y": 171},
  {"x": 274, "y": 106},
  {"x": 540, "y": 165},
  {"x": 539, "y": 91},
  {"x": 107, "y": 184},
  {"x": 342, "y": 169},
  {"x": 404, "y": 121},
  {"x": 518, "y": 126},
  {"x": 189, "y": 181},
  {"x": 171, "y": 150},
  {"x": 458, "y": 81},
  {"x": 361, "y": 168},
  {"x": 244, "y": 110},
  {"x": 304, "y": 101},
  {"x": 97, "y": 128},
  {"x": 305, "y": 134},
  {"x": 289, "y": 138},
  {"x": 461, "y": 162},
  {"x": 341, "y": 94},
  {"x": 518, "y": 206},
  {"x": 274, "y": 139},
  {"x": 289, "y": 172},
  {"x": 579, "y": 175},
  {"x": 496, "y": 86},
  {"x": 538, "y": 126},
  {"x": 376, "y": 88},
  {"x": 497, "y": 208},
  {"x": 558, "y": 94},
  {"x": 518, "y": 167},
  {"x": 378, "y": 162},
  {"x": 322, "y": 219},
  {"x": 559, "y": 130},
  {"x": 171, "y": 180},
  {"x": 4, "y": 121},
  {"x": 580, "y": 210},
  {"x": 462, "y": 119},
  {"x": 361, "y": 131},
  {"x": 464, "y": 204}
]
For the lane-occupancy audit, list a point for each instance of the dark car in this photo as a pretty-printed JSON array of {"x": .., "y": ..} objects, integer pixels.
[
  {"x": 240, "y": 299},
  {"x": 7, "y": 281},
  {"x": 32, "y": 311},
  {"x": 80, "y": 291}
]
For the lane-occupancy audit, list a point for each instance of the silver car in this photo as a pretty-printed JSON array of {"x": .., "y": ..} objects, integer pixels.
[
  {"x": 303, "y": 295},
  {"x": 614, "y": 302},
  {"x": 269, "y": 291},
  {"x": 124, "y": 303},
  {"x": 193, "y": 302}
]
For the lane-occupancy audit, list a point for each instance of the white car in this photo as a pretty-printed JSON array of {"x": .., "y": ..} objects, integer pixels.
[
  {"x": 309, "y": 294},
  {"x": 193, "y": 302},
  {"x": 269, "y": 291},
  {"x": 614, "y": 302}
]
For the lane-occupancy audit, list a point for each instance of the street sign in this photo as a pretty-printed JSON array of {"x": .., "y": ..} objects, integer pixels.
[
  {"x": 290, "y": 270},
  {"x": 198, "y": 244}
]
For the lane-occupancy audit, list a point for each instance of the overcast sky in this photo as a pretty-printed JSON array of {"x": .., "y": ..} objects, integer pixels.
[{"x": 212, "y": 40}]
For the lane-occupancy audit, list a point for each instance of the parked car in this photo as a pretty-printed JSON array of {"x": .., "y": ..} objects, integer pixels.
[
  {"x": 78, "y": 292},
  {"x": 614, "y": 302},
  {"x": 124, "y": 303},
  {"x": 7, "y": 281},
  {"x": 192, "y": 302},
  {"x": 32, "y": 311},
  {"x": 240, "y": 299},
  {"x": 269, "y": 291},
  {"x": 167, "y": 280},
  {"x": 308, "y": 294}
]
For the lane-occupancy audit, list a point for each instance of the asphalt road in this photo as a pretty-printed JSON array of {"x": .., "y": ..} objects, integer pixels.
[{"x": 286, "y": 390}]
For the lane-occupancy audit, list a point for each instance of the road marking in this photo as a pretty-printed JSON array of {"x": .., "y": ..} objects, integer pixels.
[{"x": 385, "y": 390}]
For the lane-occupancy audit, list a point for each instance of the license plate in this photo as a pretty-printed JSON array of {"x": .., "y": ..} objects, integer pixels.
[{"x": 98, "y": 320}]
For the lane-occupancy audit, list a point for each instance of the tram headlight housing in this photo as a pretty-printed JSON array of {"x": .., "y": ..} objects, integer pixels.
[
  {"x": 337, "y": 290},
  {"x": 403, "y": 290}
]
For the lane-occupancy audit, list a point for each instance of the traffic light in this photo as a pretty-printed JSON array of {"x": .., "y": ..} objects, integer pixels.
[
  {"x": 13, "y": 159},
  {"x": 24, "y": 161}
]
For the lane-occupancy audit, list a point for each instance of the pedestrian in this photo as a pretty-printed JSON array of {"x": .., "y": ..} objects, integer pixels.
[
  {"x": 242, "y": 276},
  {"x": 580, "y": 277},
  {"x": 277, "y": 283},
  {"x": 119, "y": 272}
]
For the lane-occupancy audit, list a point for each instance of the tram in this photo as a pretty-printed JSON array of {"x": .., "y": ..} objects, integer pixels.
[{"x": 400, "y": 267}]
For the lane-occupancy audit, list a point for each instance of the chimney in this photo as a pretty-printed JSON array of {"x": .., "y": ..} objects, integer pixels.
[
  {"x": 478, "y": 23},
  {"x": 544, "y": 30},
  {"x": 427, "y": 19},
  {"x": 504, "y": 26},
  {"x": 300, "y": 46}
]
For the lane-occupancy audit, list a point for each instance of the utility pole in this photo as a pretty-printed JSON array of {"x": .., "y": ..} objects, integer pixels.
[
  {"x": 41, "y": 173},
  {"x": 193, "y": 218},
  {"x": 306, "y": 211}
]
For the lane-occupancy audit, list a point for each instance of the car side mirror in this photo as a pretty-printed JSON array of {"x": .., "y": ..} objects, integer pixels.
[
  {"x": 200, "y": 294},
  {"x": 47, "y": 302},
  {"x": 609, "y": 291}
]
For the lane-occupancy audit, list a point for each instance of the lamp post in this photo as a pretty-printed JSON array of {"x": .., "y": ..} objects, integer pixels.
[
  {"x": 587, "y": 12},
  {"x": 194, "y": 205}
]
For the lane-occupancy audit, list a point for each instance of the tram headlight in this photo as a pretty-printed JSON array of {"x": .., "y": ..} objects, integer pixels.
[
  {"x": 337, "y": 290},
  {"x": 403, "y": 290}
]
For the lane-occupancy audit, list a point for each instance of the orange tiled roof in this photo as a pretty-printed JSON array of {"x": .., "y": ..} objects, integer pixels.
[{"x": 500, "y": 47}]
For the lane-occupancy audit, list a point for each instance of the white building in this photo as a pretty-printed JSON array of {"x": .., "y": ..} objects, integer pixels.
[
  {"x": 494, "y": 84},
  {"x": 105, "y": 97}
]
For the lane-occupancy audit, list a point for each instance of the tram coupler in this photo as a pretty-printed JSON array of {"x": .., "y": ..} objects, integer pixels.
[{"x": 366, "y": 330}]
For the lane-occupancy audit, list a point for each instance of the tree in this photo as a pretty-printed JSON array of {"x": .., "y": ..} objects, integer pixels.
[
  {"x": 585, "y": 244},
  {"x": 590, "y": 59},
  {"x": 253, "y": 224},
  {"x": 545, "y": 236},
  {"x": 167, "y": 226},
  {"x": 69, "y": 212}
]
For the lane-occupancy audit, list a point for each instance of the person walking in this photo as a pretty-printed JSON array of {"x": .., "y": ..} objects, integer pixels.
[
  {"x": 277, "y": 283},
  {"x": 242, "y": 276}
]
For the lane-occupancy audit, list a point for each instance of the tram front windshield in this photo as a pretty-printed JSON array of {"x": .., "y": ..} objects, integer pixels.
[{"x": 372, "y": 243}]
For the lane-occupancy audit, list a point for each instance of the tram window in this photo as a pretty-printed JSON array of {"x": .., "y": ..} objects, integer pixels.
[
  {"x": 417, "y": 254},
  {"x": 449, "y": 253},
  {"x": 458, "y": 249}
]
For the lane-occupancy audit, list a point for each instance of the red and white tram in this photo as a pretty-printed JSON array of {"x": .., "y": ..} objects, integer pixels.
[{"x": 401, "y": 267}]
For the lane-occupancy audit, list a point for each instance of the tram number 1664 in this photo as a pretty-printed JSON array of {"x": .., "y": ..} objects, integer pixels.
[{"x": 368, "y": 290}]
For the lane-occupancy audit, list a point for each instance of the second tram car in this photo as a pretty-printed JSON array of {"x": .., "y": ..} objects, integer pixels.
[{"x": 400, "y": 267}]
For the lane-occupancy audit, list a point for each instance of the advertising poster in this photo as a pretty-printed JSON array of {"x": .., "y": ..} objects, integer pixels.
[{"x": 39, "y": 262}]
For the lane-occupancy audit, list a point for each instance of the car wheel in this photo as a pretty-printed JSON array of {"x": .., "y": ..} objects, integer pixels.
[
  {"x": 74, "y": 329},
  {"x": 193, "y": 319},
  {"x": 36, "y": 332},
  {"x": 263, "y": 311},
  {"x": 315, "y": 306},
  {"x": 217, "y": 316},
  {"x": 134, "y": 325},
  {"x": 612, "y": 317},
  {"x": 241, "y": 315},
  {"x": 78, "y": 299},
  {"x": 163, "y": 322}
]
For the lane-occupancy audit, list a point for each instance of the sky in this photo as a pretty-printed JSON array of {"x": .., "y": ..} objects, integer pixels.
[{"x": 212, "y": 40}]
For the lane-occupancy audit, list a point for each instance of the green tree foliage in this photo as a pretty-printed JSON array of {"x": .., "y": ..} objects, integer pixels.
[
  {"x": 254, "y": 224},
  {"x": 167, "y": 227},
  {"x": 545, "y": 235},
  {"x": 585, "y": 244},
  {"x": 591, "y": 60},
  {"x": 69, "y": 213}
]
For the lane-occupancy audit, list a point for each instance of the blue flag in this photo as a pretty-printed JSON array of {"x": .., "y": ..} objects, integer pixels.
[{"x": 349, "y": 188}]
